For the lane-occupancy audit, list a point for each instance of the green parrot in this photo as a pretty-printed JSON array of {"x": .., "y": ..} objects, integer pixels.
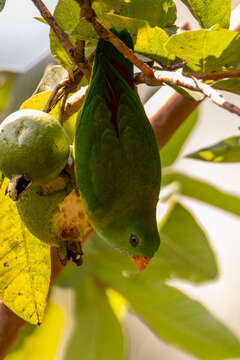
[{"x": 117, "y": 163}]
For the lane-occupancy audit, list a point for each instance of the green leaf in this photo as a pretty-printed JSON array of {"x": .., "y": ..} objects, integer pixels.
[
  {"x": 185, "y": 251},
  {"x": 171, "y": 151},
  {"x": 37, "y": 343},
  {"x": 148, "y": 40},
  {"x": 188, "y": 94},
  {"x": 210, "y": 12},
  {"x": 5, "y": 88},
  {"x": 179, "y": 320},
  {"x": 40, "y": 19},
  {"x": 66, "y": 15},
  {"x": 51, "y": 77},
  {"x": 200, "y": 190},
  {"x": 94, "y": 324},
  {"x": 161, "y": 13},
  {"x": 231, "y": 85},
  {"x": 2, "y": 4},
  {"x": 24, "y": 265},
  {"x": 226, "y": 151},
  {"x": 206, "y": 51},
  {"x": 38, "y": 102}
]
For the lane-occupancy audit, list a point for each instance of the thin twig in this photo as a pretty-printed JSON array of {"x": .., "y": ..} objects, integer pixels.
[
  {"x": 176, "y": 66},
  {"x": 88, "y": 13},
  {"x": 216, "y": 75},
  {"x": 64, "y": 100},
  {"x": 177, "y": 79},
  {"x": 66, "y": 86},
  {"x": 80, "y": 50},
  {"x": 216, "y": 97},
  {"x": 49, "y": 105},
  {"x": 62, "y": 36}
]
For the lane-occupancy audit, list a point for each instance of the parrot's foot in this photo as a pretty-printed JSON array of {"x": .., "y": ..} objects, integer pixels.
[{"x": 70, "y": 250}]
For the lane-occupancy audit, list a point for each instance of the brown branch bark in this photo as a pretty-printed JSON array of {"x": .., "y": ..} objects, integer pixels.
[
  {"x": 62, "y": 36},
  {"x": 10, "y": 327},
  {"x": 178, "y": 79},
  {"x": 217, "y": 75},
  {"x": 90, "y": 16}
]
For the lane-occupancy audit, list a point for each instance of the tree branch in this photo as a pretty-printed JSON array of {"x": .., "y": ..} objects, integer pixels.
[
  {"x": 177, "y": 79},
  {"x": 62, "y": 36},
  {"x": 10, "y": 326},
  {"x": 217, "y": 75},
  {"x": 90, "y": 16}
]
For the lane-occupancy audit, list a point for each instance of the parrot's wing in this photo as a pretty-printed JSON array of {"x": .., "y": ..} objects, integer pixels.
[
  {"x": 122, "y": 164},
  {"x": 138, "y": 141},
  {"x": 98, "y": 153}
]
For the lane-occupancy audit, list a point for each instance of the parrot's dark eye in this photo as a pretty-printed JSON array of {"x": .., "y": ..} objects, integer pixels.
[{"x": 134, "y": 240}]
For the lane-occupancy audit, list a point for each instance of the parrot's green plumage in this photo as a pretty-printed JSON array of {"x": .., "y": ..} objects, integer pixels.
[{"x": 117, "y": 162}]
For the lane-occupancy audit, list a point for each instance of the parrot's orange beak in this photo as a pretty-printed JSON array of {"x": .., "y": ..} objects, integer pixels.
[{"x": 141, "y": 262}]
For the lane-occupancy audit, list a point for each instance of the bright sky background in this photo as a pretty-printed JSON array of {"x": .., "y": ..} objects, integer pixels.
[{"x": 23, "y": 40}]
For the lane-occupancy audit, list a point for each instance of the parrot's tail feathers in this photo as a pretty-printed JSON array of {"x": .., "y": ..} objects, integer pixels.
[
  {"x": 112, "y": 99},
  {"x": 124, "y": 36},
  {"x": 123, "y": 71},
  {"x": 123, "y": 66}
]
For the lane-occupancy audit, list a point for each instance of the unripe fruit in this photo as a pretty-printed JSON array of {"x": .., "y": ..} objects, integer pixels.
[
  {"x": 34, "y": 145},
  {"x": 54, "y": 212}
]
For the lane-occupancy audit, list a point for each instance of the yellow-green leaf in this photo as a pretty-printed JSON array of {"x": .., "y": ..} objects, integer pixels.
[
  {"x": 2, "y": 4},
  {"x": 161, "y": 12},
  {"x": 95, "y": 322},
  {"x": 179, "y": 320},
  {"x": 148, "y": 40},
  {"x": 51, "y": 77},
  {"x": 24, "y": 265},
  {"x": 202, "y": 191},
  {"x": 37, "y": 343},
  {"x": 231, "y": 85},
  {"x": 172, "y": 149},
  {"x": 210, "y": 12},
  {"x": 226, "y": 151},
  {"x": 206, "y": 50},
  {"x": 38, "y": 102},
  {"x": 5, "y": 87}
]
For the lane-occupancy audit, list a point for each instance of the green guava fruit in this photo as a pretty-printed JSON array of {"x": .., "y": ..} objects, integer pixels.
[
  {"x": 54, "y": 214},
  {"x": 33, "y": 147}
]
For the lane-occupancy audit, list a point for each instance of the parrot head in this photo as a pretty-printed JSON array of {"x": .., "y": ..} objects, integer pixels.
[{"x": 138, "y": 237}]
